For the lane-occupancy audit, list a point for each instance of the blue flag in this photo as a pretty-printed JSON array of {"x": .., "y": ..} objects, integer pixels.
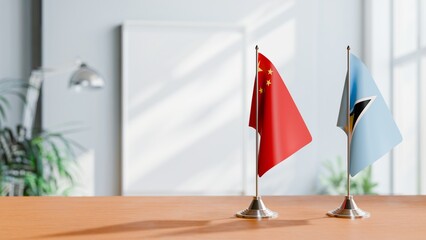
[{"x": 374, "y": 132}]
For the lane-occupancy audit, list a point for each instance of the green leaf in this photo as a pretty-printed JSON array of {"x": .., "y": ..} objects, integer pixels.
[
  {"x": 30, "y": 182},
  {"x": 2, "y": 113},
  {"x": 4, "y": 101}
]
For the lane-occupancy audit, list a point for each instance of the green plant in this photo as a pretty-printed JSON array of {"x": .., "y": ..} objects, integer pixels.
[
  {"x": 334, "y": 178},
  {"x": 33, "y": 165}
]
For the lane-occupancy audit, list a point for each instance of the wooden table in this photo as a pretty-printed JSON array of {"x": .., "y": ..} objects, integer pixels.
[{"x": 301, "y": 217}]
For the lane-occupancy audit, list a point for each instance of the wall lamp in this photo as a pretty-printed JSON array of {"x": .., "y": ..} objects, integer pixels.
[{"x": 82, "y": 77}]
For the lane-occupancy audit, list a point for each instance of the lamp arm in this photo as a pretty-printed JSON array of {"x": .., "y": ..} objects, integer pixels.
[
  {"x": 31, "y": 101},
  {"x": 47, "y": 71}
]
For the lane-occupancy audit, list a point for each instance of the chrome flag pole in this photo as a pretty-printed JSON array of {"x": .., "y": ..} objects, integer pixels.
[
  {"x": 348, "y": 209},
  {"x": 257, "y": 208}
]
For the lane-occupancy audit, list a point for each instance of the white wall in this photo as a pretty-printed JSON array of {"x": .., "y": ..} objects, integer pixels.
[
  {"x": 15, "y": 48},
  {"x": 307, "y": 39}
]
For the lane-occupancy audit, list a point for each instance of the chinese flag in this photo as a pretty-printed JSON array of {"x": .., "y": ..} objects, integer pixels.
[{"x": 281, "y": 127}]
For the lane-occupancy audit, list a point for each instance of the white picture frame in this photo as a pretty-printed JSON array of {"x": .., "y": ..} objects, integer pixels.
[{"x": 168, "y": 149}]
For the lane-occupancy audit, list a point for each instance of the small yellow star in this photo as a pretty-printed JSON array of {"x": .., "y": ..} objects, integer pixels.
[
  {"x": 268, "y": 82},
  {"x": 261, "y": 90},
  {"x": 270, "y": 71},
  {"x": 258, "y": 67}
]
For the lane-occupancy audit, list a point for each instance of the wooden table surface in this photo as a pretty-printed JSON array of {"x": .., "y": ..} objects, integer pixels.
[{"x": 300, "y": 217}]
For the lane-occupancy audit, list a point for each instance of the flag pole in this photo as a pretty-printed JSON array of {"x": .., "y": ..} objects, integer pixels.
[
  {"x": 348, "y": 209},
  {"x": 257, "y": 208},
  {"x": 257, "y": 121},
  {"x": 348, "y": 123}
]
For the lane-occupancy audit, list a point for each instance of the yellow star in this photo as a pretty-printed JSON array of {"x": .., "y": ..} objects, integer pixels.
[
  {"x": 258, "y": 67},
  {"x": 270, "y": 71},
  {"x": 261, "y": 90},
  {"x": 268, "y": 82}
]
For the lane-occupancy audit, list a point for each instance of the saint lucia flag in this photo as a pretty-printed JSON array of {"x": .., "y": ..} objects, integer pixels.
[{"x": 373, "y": 130}]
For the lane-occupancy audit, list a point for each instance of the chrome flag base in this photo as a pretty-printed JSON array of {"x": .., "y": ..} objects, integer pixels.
[
  {"x": 257, "y": 209},
  {"x": 348, "y": 209}
]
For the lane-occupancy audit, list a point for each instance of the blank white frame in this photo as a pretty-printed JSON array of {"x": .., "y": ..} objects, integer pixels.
[{"x": 141, "y": 25}]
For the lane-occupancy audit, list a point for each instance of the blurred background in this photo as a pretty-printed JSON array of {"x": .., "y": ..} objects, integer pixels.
[{"x": 172, "y": 116}]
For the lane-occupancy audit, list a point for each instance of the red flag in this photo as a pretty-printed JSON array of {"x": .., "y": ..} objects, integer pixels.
[{"x": 281, "y": 127}]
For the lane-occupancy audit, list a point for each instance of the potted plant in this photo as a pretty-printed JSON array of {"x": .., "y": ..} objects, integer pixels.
[
  {"x": 333, "y": 180},
  {"x": 33, "y": 165}
]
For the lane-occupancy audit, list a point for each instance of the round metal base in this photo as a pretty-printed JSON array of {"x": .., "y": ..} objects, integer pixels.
[
  {"x": 257, "y": 209},
  {"x": 348, "y": 209}
]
